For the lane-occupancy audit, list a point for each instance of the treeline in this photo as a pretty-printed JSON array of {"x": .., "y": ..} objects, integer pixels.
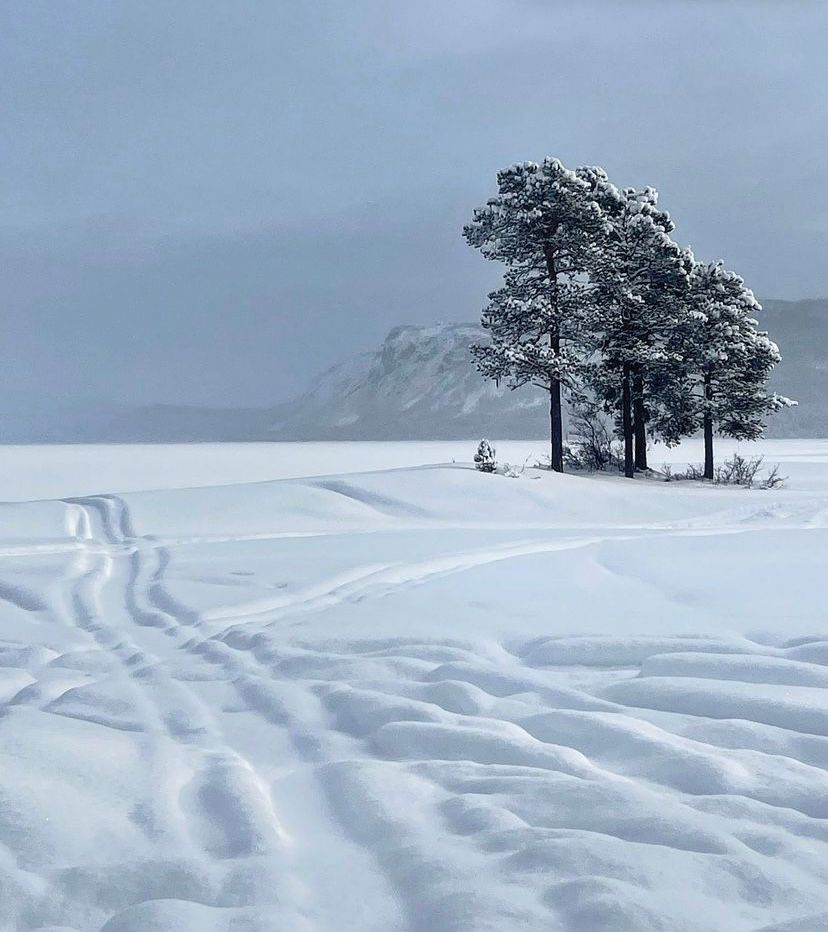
[{"x": 600, "y": 304}]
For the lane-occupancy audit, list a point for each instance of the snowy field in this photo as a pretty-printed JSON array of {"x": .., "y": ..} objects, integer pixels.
[
  {"x": 407, "y": 697},
  {"x": 30, "y": 472}
]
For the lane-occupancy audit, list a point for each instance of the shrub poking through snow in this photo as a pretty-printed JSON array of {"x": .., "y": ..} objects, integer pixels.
[
  {"x": 484, "y": 459},
  {"x": 583, "y": 456},
  {"x": 773, "y": 479},
  {"x": 594, "y": 448},
  {"x": 743, "y": 470},
  {"x": 738, "y": 470},
  {"x": 693, "y": 473},
  {"x": 512, "y": 471}
]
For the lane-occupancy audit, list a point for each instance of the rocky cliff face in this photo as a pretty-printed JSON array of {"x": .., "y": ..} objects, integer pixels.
[{"x": 420, "y": 384}]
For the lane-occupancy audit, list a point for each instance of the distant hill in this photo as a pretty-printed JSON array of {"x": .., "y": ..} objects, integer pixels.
[
  {"x": 419, "y": 384},
  {"x": 801, "y": 330}
]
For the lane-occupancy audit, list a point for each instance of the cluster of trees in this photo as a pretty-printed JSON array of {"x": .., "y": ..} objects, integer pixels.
[{"x": 600, "y": 305}]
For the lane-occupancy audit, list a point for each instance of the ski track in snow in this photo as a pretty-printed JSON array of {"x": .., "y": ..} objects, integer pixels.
[{"x": 267, "y": 774}]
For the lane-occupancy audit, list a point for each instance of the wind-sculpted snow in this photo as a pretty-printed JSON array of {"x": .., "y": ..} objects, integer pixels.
[{"x": 423, "y": 700}]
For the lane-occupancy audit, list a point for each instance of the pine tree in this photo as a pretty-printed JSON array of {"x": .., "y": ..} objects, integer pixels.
[
  {"x": 596, "y": 293},
  {"x": 728, "y": 361},
  {"x": 640, "y": 276},
  {"x": 541, "y": 224},
  {"x": 484, "y": 459}
]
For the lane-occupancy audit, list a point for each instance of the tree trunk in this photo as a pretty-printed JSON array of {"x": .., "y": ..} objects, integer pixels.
[
  {"x": 639, "y": 422},
  {"x": 708, "y": 428},
  {"x": 626, "y": 421},
  {"x": 555, "y": 414},
  {"x": 555, "y": 426}
]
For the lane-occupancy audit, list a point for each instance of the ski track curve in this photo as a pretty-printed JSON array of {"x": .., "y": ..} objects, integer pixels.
[{"x": 227, "y": 803}]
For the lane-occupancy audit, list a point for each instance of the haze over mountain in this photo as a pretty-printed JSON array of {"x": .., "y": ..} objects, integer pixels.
[
  {"x": 801, "y": 330},
  {"x": 419, "y": 384}
]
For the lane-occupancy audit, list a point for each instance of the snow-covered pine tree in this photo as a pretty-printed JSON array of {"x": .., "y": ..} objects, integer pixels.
[
  {"x": 540, "y": 224},
  {"x": 639, "y": 275},
  {"x": 728, "y": 359},
  {"x": 484, "y": 459}
]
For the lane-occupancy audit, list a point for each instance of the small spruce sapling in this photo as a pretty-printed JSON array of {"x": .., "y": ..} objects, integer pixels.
[{"x": 484, "y": 459}]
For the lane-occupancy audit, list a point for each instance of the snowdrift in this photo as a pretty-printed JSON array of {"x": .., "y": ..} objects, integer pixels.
[{"x": 421, "y": 699}]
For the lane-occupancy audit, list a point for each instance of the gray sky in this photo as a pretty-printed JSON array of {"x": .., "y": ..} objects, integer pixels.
[{"x": 206, "y": 201}]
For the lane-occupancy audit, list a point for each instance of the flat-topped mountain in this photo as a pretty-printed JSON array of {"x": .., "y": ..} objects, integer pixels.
[{"x": 420, "y": 384}]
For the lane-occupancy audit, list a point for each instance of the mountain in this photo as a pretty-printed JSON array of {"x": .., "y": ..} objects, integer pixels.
[
  {"x": 801, "y": 330},
  {"x": 419, "y": 384}
]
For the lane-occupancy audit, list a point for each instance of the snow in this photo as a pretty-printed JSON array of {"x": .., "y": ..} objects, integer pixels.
[
  {"x": 344, "y": 687},
  {"x": 37, "y": 472}
]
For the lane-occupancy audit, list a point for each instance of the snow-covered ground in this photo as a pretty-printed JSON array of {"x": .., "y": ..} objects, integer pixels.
[
  {"x": 420, "y": 699},
  {"x": 30, "y": 472}
]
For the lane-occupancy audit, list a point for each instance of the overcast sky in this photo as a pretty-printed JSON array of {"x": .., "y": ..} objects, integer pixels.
[{"x": 206, "y": 201}]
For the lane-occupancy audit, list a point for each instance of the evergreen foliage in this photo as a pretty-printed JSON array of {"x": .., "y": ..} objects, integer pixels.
[
  {"x": 542, "y": 224},
  {"x": 598, "y": 302},
  {"x": 484, "y": 459},
  {"x": 728, "y": 360},
  {"x": 640, "y": 277}
]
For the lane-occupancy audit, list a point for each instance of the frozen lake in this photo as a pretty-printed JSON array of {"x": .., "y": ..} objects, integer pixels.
[{"x": 31, "y": 472}]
